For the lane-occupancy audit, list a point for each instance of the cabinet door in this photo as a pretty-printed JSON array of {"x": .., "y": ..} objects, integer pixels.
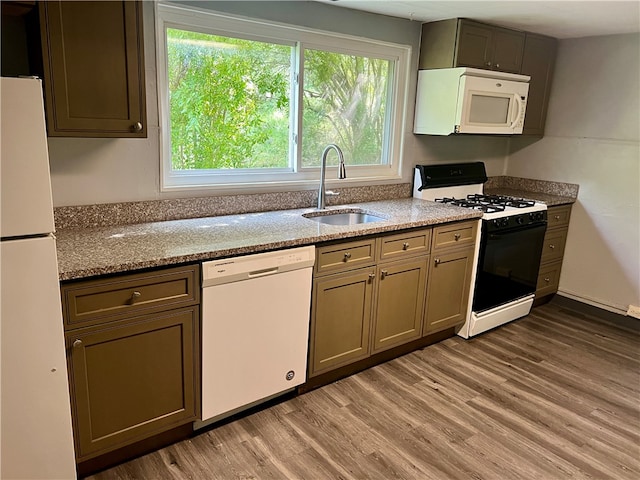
[
  {"x": 94, "y": 68},
  {"x": 340, "y": 319},
  {"x": 400, "y": 303},
  {"x": 133, "y": 380},
  {"x": 538, "y": 61},
  {"x": 474, "y": 45},
  {"x": 508, "y": 46},
  {"x": 448, "y": 292}
]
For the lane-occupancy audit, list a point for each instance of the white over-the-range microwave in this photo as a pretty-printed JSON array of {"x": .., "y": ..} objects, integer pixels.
[{"x": 470, "y": 100}]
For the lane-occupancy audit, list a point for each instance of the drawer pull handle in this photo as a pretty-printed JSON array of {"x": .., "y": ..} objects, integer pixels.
[
  {"x": 552, "y": 246},
  {"x": 347, "y": 256},
  {"x": 557, "y": 217},
  {"x": 77, "y": 343},
  {"x": 135, "y": 296},
  {"x": 456, "y": 236},
  {"x": 547, "y": 279},
  {"x": 383, "y": 274},
  {"x": 437, "y": 261},
  {"x": 372, "y": 276},
  {"x": 405, "y": 245}
]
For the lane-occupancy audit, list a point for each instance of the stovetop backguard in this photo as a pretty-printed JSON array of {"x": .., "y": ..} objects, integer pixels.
[{"x": 450, "y": 175}]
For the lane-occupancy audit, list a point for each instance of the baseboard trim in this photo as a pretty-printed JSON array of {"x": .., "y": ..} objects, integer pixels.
[{"x": 587, "y": 309}]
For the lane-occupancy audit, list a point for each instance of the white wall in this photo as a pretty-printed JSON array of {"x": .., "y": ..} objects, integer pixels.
[
  {"x": 90, "y": 170},
  {"x": 592, "y": 139}
]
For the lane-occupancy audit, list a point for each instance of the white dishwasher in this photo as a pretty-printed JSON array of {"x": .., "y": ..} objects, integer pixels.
[{"x": 255, "y": 328}]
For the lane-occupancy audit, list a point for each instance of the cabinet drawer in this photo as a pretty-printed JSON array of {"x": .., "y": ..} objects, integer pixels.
[
  {"x": 558, "y": 216},
  {"x": 404, "y": 245},
  {"x": 554, "y": 242},
  {"x": 344, "y": 256},
  {"x": 548, "y": 279},
  {"x": 96, "y": 301},
  {"x": 455, "y": 235}
]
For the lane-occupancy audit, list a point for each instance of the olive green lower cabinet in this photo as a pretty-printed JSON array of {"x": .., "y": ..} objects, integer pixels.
[
  {"x": 400, "y": 303},
  {"x": 132, "y": 361},
  {"x": 365, "y": 303},
  {"x": 341, "y": 319},
  {"x": 368, "y": 296},
  {"x": 555, "y": 240}
]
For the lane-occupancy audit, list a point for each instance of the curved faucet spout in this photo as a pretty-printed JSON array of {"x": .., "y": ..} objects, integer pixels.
[{"x": 342, "y": 173}]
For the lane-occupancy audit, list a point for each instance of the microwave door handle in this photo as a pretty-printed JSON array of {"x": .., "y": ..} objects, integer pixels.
[{"x": 517, "y": 111}]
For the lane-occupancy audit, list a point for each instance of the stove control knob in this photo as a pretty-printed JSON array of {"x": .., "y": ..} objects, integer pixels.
[
  {"x": 505, "y": 222},
  {"x": 496, "y": 222},
  {"x": 520, "y": 220}
]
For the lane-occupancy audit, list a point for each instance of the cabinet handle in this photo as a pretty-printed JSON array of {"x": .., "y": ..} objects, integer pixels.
[
  {"x": 552, "y": 246},
  {"x": 557, "y": 217},
  {"x": 137, "y": 127},
  {"x": 405, "y": 245},
  {"x": 456, "y": 236},
  {"x": 547, "y": 279},
  {"x": 488, "y": 64},
  {"x": 372, "y": 276},
  {"x": 135, "y": 296},
  {"x": 347, "y": 256},
  {"x": 77, "y": 343},
  {"x": 383, "y": 274},
  {"x": 436, "y": 261},
  {"x": 497, "y": 65}
]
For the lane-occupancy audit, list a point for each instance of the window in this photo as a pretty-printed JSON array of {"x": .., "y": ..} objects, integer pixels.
[{"x": 246, "y": 104}]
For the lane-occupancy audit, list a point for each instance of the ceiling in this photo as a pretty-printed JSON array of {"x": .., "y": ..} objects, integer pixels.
[{"x": 560, "y": 19}]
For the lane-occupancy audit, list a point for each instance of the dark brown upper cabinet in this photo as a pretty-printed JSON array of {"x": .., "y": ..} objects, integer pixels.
[
  {"x": 538, "y": 61},
  {"x": 93, "y": 68},
  {"x": 489, "y": 47},
  {"x": 459, "y": 42}
]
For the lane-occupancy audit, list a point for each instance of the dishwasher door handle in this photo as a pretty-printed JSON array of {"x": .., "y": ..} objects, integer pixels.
[{"x": 263, "y": 273}]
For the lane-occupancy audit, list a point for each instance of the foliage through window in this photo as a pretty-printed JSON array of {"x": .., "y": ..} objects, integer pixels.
[
  {"x": 238, "y": 105},
  {"x": 229, "y": 101}
]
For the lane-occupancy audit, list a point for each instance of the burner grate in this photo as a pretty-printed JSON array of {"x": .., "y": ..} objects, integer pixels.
[
  {"x": 473, "y": 203},
  {"x": 502, "y": 200}
]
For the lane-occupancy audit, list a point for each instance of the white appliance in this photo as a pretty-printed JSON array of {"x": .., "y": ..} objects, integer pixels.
[
  {"x": 255, "y": 329},
  {"x": 508, "y": 244},
  {"x": 470, "y": 100},
  {"x": 36, "y": 439}
]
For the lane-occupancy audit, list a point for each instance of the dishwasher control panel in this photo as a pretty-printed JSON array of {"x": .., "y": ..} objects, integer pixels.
[{"x": 256, "y": 265}]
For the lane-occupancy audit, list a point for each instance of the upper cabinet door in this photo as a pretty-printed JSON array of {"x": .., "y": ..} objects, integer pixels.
[
  {"x": 94, "y": 68},
  {"x": 474, "y": 45},
  {"x": 538, "y": 62},
  {"x": 489, "y": 47},
  {"x": 508, "y": 46}
]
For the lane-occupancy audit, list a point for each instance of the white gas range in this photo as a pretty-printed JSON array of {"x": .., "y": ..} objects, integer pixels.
[{"x": 509, "y": 244}]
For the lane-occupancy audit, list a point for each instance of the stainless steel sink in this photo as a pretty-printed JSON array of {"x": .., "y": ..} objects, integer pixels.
[{"x": 343, "y": 218}]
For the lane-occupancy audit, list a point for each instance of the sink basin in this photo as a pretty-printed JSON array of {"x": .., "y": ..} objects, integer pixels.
[{"x": 343, "y": 218}]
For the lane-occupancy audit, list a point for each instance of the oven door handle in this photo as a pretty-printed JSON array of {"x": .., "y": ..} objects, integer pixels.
[{"x": 501, "y": 233}]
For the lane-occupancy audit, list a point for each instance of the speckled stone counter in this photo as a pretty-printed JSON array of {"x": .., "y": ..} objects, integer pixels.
[
  {"x": 86, "y": 252},
  {"x": 550, "y": 193}
]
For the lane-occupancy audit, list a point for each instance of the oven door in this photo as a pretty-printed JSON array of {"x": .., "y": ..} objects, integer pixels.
[{"x": 508, "y": 265}]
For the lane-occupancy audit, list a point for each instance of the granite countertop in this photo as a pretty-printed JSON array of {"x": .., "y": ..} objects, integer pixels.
[
  {"x": 549, "y": 199},
  {"x": 86, "y": 252}
]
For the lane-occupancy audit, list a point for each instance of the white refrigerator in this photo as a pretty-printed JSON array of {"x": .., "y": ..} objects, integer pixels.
[{"x": 36, "y": 438}]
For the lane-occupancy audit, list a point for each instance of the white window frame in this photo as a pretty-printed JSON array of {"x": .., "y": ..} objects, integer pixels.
[{"x": 259, "y": 180}]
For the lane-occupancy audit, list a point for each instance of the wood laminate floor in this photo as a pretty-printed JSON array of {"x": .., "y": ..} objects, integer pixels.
[{"x": 555, "y": 395}]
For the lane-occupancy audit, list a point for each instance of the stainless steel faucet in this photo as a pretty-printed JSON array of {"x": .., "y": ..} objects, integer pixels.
[{"x": 342, "y": 173}]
